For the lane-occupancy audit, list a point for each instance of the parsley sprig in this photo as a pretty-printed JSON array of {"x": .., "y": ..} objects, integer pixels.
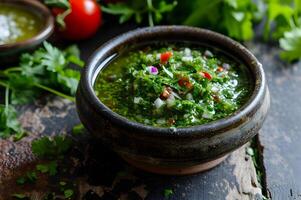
[
  {"x": 284, "y": 24},
  {"x": 138, "y": 9},
  {"x": 236, "y": 18},
  {"x": 47, "y": 69},
  {"x": 50, "y": 151}
]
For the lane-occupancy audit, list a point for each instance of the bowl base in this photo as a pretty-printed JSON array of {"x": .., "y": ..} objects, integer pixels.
[{"x": 174, "y": 170}]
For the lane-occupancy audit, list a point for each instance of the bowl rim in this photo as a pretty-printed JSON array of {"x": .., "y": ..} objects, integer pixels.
[
  {"x": 214, "y": 127},
  {"x": 46, "y": 30}
]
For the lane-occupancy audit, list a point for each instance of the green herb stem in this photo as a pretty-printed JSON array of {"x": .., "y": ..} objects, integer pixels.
[
  {"x": 12, "y": 69},
  {"x": 3, "y": 84},
  {"x": 6, "y": 98},
  {"x": 197, "y": 14},
  {"x": 150, "y": 9},
  {"x": 54, "y": 92}
]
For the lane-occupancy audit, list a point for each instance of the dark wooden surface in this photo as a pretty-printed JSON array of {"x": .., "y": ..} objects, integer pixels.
[
  {"x": 281, "y": 133},
  {"x": 97, "y": 169},
  {"x": 100, "y": 174}
]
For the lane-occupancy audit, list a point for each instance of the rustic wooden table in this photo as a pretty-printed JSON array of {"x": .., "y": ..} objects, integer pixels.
[{"x": 100, "y": 174}]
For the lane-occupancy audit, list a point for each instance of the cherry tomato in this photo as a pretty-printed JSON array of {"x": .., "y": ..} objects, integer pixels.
[
  {"x": 165, "y": 56},
  {"x": 206, "y": 75},
  {"x": 83, "y": 21}
]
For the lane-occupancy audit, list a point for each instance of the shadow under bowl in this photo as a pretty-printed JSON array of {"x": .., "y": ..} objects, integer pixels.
[
  {"x": 168, "y": 150},
  {"x": 10, "y": 52}
]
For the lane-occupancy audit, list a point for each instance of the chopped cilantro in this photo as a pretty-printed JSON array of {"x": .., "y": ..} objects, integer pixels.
[
  {"x": 30, "y": 177},
  {"x": 171, "y": 85},
  {"x": 78, "y": 129},
  {"x": 62, "y": 183},
  {"x": 50, "y": 168},
  {"x": 168, "y": 193},
  {"x": 68, "y": 193},
  {"x": 51, "y": 148},
  {"x": 291, "y": 45},
  {"x": 19, "y": 196},
  {"x": 21, "y": 180}
]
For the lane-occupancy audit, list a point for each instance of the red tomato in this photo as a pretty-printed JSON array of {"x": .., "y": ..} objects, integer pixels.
[
  {"x": 165, "y": 56},
  {"x": 206, "y": 75},
  {"x": 83, "y": 21}
]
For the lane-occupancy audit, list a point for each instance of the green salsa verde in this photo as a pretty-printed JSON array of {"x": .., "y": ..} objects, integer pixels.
[
  {"x": 173, "y": 86},
  {"x": 17, "y": 24}
]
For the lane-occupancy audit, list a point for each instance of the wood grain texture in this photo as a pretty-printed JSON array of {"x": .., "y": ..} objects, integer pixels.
[{"x": 280, "y": 135}]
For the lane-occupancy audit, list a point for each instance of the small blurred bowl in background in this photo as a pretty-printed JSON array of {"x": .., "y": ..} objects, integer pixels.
[{"x": 10, "y": 52}]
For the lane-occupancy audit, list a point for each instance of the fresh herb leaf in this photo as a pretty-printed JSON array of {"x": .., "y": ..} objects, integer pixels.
[
  {"x": 168, "y": 193},
  {"x": 78, "y": 129},
  {"x": 234, "y": 18},
  {"x": 9, "y": 123},
  {"x": 51, "y": 63},
  {"x": 62, "y": 183},
  {"x": 68, "y": 193},
  {"x": 291, "y": 45},
  {"x": 22, "y": 89},
  {"x": 72, "y": 54},
  {"x": 50, "y": 148},
  {"x": 58, "y": 3},
  {"x": 30, "y": 177},
  {"x": 19, "y": 196},
  {"x": 279, "y": 15},
  {"x": 21, "y": 180},
  {"x": 50, "y": 168},
  {"x": 47, "y": 69},
  {"x": 19, "y": 136},
  {"x": 153, "y": 10}
]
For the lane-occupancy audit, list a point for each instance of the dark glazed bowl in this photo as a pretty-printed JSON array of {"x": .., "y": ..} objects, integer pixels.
[
  {"x": 170, "y": 150},
  {"x": 9, "y": 52}
]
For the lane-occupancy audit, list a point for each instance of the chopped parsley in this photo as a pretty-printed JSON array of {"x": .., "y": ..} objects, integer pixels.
[
  {"x": 168, "y": 193},
  {"x": 51, "y": 148},
  {"x": 174, "y": 86}
]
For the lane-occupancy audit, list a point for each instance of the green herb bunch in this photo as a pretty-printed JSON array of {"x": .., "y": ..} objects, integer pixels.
[
  {"x": 51, "y": 152},
  {"x": 46, "y": 69},
  {"x": 235, "y": 18},
  {"x": 137, "y": 9}
]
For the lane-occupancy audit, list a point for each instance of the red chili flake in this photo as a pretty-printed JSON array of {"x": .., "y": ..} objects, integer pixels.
[
  {"x": 171, "y": 121},
  {"x": 206, "y": 75},
  {"x": 220, "y": 69},
  {"x": 184, "y": 81},
  {"x": 164, "y": 57}
]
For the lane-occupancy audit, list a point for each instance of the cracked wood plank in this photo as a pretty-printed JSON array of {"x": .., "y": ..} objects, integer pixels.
[
  {"x": 280, "y": 135},
  {"x": 233, "y": 179}
]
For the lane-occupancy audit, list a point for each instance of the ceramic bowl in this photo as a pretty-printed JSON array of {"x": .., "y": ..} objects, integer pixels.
[
  {"x": 169, "y": 150},
  {"x": 9, "y": 53}
]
